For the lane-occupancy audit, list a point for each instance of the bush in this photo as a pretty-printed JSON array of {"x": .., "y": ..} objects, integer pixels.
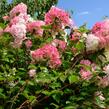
[{"x": 44, "y": 67}]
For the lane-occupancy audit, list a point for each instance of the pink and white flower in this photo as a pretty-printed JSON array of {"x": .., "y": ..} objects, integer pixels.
[
  {"x": 101, "y": 30},
  {"x": 32, "y": 72},
  {"x": 92, "y": 42},
  {"x": 18, "y": 31}
]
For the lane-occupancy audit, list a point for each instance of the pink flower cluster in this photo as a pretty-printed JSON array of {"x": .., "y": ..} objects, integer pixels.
[
  {"x": 86, "y": 73},
  {"x": 101, "y": 30},
  {"x": 59, "y": 17},
  {"x": 6, "y": 18},
  {"x": 21, "y": 18},
  {"x": 76, "y": 35},
  {"x": 35, "y": 27},
  {"x": 18, "y": 32},
  {"x": 19, "y": 9},
  {"x": 59, "y": 44},
  {"x": 85, "y": 62},
  {"x": 21, "y": 23},
  {"x": 17, "y": 25},
  {"x": 104, "y": 81},
  {"x": 49, "y": 52},
  {"x": 28, "y": 44}
]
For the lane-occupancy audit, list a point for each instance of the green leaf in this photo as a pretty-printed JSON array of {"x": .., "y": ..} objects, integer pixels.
[
  {"x": 32, "y": 98},
  {"x": 46, "y": 27},
  {"x": 57, "y": 97},
  {"x": 55, "y": 85},
  {"x": 2, "y": 25},
  {"x": 63, "y": 78},
  {"x": 2, "y": 78},
  {"x": 73, "y": 79},
  {"x": 2, "y": 95},
  {"x": 31, "y": 66},
  {"x": 55, "y": 105},
  {"x": 100, "y": 103},
  {"x": 46, "y": 92},
  {"x": 1, "y": 107},
  {"x": 25, "y": 94},
  {"x": 80, "y": 45},
  {"x": 69, "y": 107}
]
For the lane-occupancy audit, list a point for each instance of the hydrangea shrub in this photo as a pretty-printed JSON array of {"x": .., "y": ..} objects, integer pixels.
[{"x": 42, "y": 66}]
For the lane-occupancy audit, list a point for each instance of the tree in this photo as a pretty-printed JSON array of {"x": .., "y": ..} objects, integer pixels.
[
  {"x": 4, "y": 8},
  {"x": 36, "y": 8}
]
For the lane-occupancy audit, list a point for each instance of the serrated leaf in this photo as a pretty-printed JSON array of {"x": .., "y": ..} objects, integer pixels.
[
  {"x": 73, "y": 79},
  {"x": 62, "y": 78}
]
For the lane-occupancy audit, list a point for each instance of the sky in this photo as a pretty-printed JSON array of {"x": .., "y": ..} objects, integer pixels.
[
  {"x": 9, "y": 1},
  {"x": 85, "y": 11}
]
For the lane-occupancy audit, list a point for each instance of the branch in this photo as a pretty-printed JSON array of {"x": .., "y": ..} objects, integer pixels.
[{"x": 21, "y": 106}]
